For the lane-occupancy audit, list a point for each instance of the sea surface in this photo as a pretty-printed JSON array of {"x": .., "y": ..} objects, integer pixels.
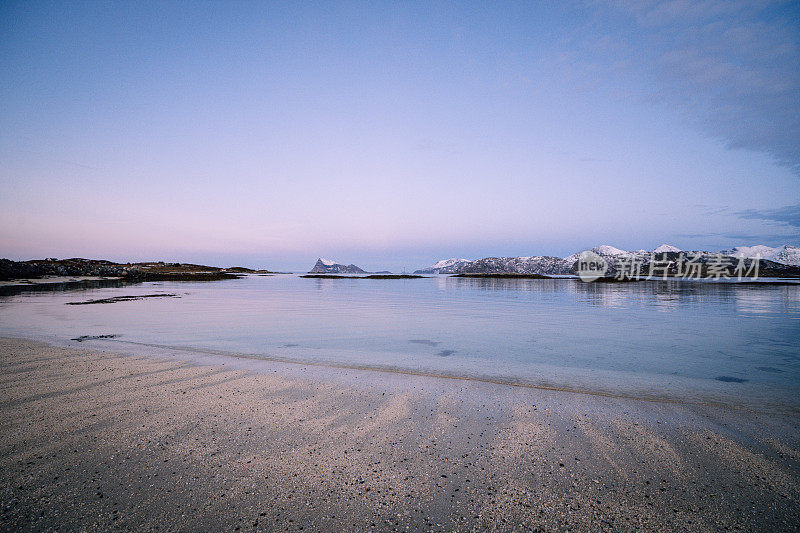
[{"x": 684, "y": 341}]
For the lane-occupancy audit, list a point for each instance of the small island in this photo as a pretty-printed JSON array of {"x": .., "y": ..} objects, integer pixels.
[{"x": 371, "y": 276}]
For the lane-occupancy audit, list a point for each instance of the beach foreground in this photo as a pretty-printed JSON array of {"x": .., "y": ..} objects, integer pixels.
[{"x": 101, "y": 440}]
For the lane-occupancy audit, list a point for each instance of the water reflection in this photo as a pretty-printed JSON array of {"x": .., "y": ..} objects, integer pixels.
[
  {"x": 755, "y": 301},
  {"x": 556, "y": 331},
  {"x": 663, "y": 295},
  {"x": 12, "y": 290}
]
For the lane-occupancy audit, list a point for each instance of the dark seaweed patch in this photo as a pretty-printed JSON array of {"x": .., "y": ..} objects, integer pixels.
[
  {"x": 731, "y": 379},
  {"x": 426, "y": 342},
  {"x": 93, "y": 337},
  {"x": 116, "y": 299}
]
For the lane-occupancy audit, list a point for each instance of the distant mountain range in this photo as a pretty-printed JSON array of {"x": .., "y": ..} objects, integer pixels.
[{"x": 774, "y": 260}]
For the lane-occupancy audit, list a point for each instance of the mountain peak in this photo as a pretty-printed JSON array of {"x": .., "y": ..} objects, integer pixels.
[
  {"x": 327, "y": 266},
  {"x": 605, "y": 249},
  {"x": 445, "y": 266},
  {"x": 666, "y": 248}
]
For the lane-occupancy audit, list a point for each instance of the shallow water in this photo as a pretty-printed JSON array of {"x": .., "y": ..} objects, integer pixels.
[{"x": 679, "y": 341}]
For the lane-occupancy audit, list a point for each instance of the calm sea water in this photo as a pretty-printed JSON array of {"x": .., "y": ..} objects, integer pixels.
[{"x": 695, "y": 341}]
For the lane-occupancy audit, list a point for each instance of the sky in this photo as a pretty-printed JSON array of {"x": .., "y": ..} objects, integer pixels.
[{"x": 392, "y": 135}]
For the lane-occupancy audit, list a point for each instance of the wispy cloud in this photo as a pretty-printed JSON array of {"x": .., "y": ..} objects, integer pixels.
[
  {"x": 716, "y": 240},
  {"x": 731, "y": 64},
  {"x": 785, "y": 215},
  {"x": 712, "y": 210}
]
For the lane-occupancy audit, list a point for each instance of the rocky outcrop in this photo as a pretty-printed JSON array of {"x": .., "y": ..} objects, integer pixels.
[
  {"x": 64, "y": 267},
  {"x": 158, "y": 271},
  {"x": 326, "y": 266}
]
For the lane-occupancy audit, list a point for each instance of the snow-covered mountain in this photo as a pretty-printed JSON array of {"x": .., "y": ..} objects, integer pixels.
[
  {"x": 327, "y": 266},
  {"x": 540, "y": 264},
  {"x": 605, "y": 250},
  {"x": 774, "y": 262},
  {"x": 548, "y": 265},
  {"x": 789, "y": 255},
  {"x": 445, "y": 266},
  {"x": 608, "y": 250},
  {"x": 786, "y": 255}
]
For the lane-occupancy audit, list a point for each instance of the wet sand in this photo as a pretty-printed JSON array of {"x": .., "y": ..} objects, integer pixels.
[{"x": 104, "y": 440}]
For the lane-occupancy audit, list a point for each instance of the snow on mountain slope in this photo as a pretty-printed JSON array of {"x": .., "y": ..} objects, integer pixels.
[
  {"x": 445, "y": 266},
  {"x": 666, "y": 248},
  {"x": 787, "y": 255},
  {"x": 605, "y": 249},
  {"x": 518, "y": 265},
  {"x": 751, "y": 251},
  {"x": 444, "y": 263},
  {"x": 612, "y": 251},
  {"x": 547, "y": 265}
]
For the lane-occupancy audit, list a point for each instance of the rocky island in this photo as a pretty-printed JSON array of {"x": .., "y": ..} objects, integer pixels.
[
  {"x": 51, "y": 270},
  {"x": 327, "y": 266}
]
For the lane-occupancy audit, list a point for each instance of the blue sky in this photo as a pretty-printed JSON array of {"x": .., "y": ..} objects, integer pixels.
[{"x": 393, "y": 135}]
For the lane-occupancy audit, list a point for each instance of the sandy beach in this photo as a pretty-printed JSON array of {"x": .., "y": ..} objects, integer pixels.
[{"x": 97, "y": 440}]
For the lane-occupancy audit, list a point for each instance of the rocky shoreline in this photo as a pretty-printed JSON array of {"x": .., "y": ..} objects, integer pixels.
[{"x": 135, "y": 272}]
